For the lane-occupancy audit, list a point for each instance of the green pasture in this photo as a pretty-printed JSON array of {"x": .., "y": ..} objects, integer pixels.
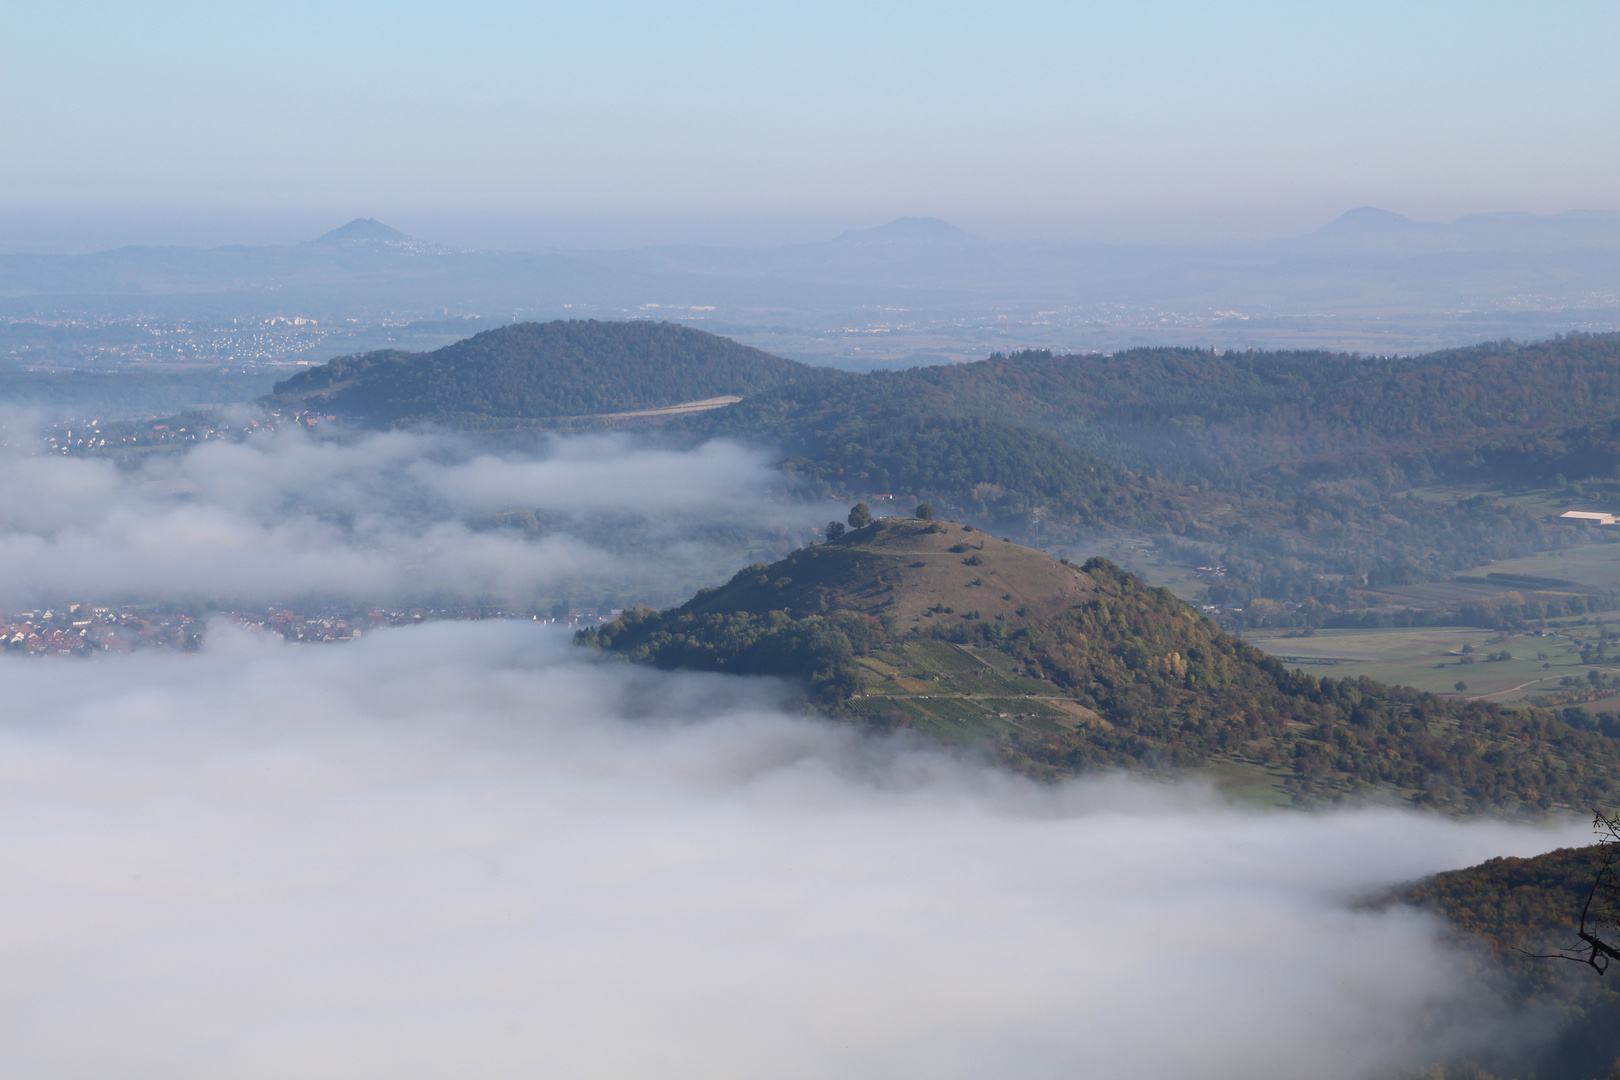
[
  {"x": 1432, "y": 658},
  {"x": 1593, "y": 565},
  {"x": 1447, "y": 595},
  {"x": 1247, "y": 784},
  {"x": 1532, "y": 500}
]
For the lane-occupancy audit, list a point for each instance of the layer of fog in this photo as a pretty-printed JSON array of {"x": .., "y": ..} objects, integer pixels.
[
  {"x": 390, "y": 516},
  {"x": 470, "y": 849},
  {"x": 460, "y": 849}
]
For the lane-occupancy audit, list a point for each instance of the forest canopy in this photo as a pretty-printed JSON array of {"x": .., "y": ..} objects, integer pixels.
[{"x": 542, "y": 370}]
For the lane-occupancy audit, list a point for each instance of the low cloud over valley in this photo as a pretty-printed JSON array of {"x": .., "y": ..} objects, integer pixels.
[{"x": 465, "y": 846}]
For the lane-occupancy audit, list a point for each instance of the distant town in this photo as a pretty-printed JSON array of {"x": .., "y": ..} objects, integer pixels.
[
  {"x": 88, "y": 629},
  {"x": 272, "y": 344},
  {"x": 93, "y": 435}
]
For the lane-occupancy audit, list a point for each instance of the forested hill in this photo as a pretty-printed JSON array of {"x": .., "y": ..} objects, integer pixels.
[
  {"x": 559, "y": 372},
  {"x": 543, "y": 370},
  {"x": 1295, "y": 471},
  {"x": 970, "y": 639},
  {"x": 1503, "y": 911},
  {"x": 1184, "y": 414},
  {"x": 1198, "y": 414}
]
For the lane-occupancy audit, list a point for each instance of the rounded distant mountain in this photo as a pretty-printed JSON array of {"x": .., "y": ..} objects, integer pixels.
[{"x": 541, "y": 371}]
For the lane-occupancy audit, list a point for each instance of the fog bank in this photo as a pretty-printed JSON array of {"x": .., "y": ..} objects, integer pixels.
[
  {"x": 463, "y": 849},
  {"x": 388, "y": 516}
]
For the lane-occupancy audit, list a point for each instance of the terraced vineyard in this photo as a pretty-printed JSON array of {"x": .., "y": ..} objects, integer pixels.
[{"x": 962, "y": 694}]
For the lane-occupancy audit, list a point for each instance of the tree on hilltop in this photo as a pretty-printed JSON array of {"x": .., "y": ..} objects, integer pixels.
[{"x": 860, "y": 516}]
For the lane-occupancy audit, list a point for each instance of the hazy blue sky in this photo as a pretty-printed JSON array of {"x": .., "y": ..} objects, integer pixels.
[{"x": 618, "y": 122}]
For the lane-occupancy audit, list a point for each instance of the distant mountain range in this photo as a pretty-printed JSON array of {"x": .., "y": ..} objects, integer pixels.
[
  {"x": 911, "y": 275},
  {"x": 1372, "y": 227}
]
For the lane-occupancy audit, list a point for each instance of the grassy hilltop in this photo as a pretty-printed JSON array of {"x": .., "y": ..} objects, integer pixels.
[{"x": 942, "y": 628}]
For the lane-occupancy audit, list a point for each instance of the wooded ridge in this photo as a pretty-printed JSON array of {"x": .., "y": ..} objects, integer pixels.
[{"x": 1294, "y": 471}]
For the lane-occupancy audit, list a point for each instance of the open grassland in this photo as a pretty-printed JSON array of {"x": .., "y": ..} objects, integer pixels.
[
  {"x": 1450, "y": 595},
  {"x": 1539, "y": 501},
  {"x": 1247, "y": 783}
]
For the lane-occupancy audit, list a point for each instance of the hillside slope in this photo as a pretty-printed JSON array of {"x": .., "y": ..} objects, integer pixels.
[
  {"x": 540, "y": 371},
  {"x": 1193, "y": 413},
  {"x": 1505, "y": 909},
  {"x": 970, "y": 639}
]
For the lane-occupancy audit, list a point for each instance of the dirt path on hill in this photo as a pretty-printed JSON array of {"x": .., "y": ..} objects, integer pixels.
[{"x": 682, "y": 409}]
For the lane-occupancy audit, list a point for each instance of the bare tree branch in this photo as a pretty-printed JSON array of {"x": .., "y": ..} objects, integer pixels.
[{"x": 1600, "y": 915}]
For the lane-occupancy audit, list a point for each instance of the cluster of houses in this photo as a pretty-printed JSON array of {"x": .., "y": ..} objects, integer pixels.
[
  {"x": 83, "y": 630},
  {"x": 78, "y": 629},
  {"x": 98, "y": 436}
]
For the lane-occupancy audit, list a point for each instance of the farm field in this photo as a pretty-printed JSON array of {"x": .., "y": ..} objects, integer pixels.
[
  {"x": 1534, "y": 500},
  {"x": 1593, "y": 565},
  {"x": 1432, "y": 658},
  {"x": 1447, "y": 595}
]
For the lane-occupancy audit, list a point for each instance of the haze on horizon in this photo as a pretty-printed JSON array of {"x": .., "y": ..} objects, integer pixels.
[{"x": 528, "y": 126}]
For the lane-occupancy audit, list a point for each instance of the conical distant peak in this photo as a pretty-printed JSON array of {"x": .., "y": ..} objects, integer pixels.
[{"x": 361, "y": 229}]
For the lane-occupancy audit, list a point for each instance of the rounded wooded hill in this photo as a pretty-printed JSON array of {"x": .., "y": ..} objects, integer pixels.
[
  {"x": 533, "y": 371},
  {"x": 904, "y": 571}
]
